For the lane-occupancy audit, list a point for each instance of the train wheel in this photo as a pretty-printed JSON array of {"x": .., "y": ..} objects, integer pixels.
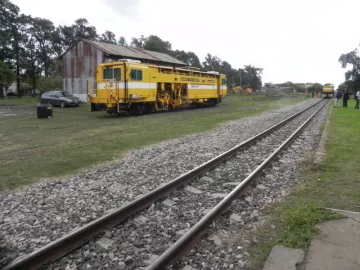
[
  {"x": 136, "y": 109},
  {"x": 148, "y": 107},
  {"x": 212, "y": 102}
]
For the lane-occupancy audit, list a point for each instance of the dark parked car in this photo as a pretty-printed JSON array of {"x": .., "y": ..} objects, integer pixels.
[
  {"x": 11, "y": 94},
  {"x": 60, "y": 98}
]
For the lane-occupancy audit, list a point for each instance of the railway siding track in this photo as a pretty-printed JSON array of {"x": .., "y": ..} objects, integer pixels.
[{"x": 79, "y": 237}]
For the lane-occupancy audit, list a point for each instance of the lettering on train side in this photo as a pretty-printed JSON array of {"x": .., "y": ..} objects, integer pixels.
[{"x": 190, "y": 79}]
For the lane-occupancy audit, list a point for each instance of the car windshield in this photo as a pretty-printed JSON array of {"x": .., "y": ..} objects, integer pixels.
[{"x": 66, "y": 94}]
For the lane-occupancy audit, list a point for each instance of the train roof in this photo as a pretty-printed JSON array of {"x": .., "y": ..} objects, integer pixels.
[{"x": 138, "y": 63}]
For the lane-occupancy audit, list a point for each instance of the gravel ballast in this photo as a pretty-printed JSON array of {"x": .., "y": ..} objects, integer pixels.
[
  {"x": 135, "y": 243},
  {"x": 33, "y": 216},
  {"x": 235, "y": 230}
]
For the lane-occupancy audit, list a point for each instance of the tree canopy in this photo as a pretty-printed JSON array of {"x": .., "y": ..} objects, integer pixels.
[
  {"x": 30, "y": 47},
  {"x": 6, "y": 77},
  {"x": 352, "y": 76}
]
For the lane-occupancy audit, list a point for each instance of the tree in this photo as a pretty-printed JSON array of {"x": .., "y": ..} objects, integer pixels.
[
  {"x": 108, "y": 37},
  {"x": 318, "y": 87},
  {"x": 67, "y": 34},
  {"x": 122, "y": 41},
  {"x": 212, "y": 63},
  {"x": 32, "y": 67},
  {"x": 151, "y": 43},
  {"x": 352, "y": 76},
  {"x": 189, "y": 58},
  {"x": 7, "y": 76},
  {"x": 80, "y": 29},
  {"x": 343, "y": 86},
  {"x": 252, "y": 77},
  {"x": 50, "y": 83},
  {"x": 156, "y": 44},
  {"x": 193, "y": 60},
  {"x": 5, "y": 34},
  {"x": 233, "y": 76},
  {"x": 302, "y": 88},
  {"x": 13, "y": 34},
  {"x": 43, "y": 36},
  {"x": 138, "y": 42}
]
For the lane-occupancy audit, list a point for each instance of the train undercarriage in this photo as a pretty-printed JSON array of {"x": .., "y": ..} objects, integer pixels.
[{"x": 140, "y": 108}]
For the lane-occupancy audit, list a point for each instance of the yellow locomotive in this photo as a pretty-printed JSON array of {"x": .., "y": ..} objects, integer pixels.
[
  {"x": 328, "y": 90},
  {"x": 137, "y": 88}
]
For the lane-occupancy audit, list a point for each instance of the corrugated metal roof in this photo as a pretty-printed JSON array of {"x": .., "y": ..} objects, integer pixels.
[{"x": 131, "y": 52}]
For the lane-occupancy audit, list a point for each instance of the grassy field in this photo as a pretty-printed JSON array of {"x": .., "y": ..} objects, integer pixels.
[
  {"x": 333, "y": 184},
  {"x": 75, "y": 138},
  {"x": 18, "y": 101}
]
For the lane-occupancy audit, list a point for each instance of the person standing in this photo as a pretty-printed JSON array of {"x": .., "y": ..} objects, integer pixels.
[
  {"x": 346, "y": 97},
  {"x": 357, "y": 97},
  {"x": 339, "y": 94}
]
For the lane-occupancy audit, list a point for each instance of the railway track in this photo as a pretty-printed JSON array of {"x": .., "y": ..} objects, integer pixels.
[{"x": 184, "y": 203}]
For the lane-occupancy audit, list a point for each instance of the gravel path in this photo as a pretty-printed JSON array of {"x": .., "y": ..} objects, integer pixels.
[
  {"x": 135, "y": 243},
  {"x": 33, "y": 216}
]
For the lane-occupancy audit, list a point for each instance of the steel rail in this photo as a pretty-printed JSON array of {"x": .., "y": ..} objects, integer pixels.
[
  {"x": 191, "y": 237},
  {"x": 80, "y": 236}
]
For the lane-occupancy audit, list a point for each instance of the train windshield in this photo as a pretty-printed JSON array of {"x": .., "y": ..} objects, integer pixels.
[{"x": 112, "y": 74}]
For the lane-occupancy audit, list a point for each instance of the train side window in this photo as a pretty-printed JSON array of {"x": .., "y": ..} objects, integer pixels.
[
  {"x": 117, "y": 74},
  {"x": 108, "y": 74},
  {"x": 136, "y": 75}
]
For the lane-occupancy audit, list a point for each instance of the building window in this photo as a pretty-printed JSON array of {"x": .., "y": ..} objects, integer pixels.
[{"x": 136, "y": 75}]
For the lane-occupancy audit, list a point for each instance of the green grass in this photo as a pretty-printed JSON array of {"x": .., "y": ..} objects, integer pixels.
[
  {"x": 333, "y": 184},
  {"x": 18, "y": 101},
  {"x": 75, "y": 139}
]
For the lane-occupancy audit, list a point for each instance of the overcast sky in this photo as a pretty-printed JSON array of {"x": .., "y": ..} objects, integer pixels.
[{"x": 298, "y": 41}]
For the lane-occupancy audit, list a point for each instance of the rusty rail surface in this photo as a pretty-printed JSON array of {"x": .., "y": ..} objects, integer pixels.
[{"x": 80, "y": 236}]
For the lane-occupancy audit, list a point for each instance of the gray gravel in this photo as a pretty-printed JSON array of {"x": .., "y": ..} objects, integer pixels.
[
  {"x": 137, "y": 242},
  {"x": 33, "y": 216},
  {"x": 225, "y": 246}
]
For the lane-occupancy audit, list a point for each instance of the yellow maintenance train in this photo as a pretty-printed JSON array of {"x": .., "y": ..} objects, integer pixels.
[
  {"x": 137, "y": 88},
  {"x": 328, "y": 90}
]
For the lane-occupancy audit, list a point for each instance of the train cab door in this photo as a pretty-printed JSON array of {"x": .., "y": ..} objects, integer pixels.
[
  {"x": 117, "y": 80},
  {"x": 222, "y": 84}
]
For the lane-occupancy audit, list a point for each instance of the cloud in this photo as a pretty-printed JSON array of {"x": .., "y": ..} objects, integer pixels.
[
  {"x": 292, "y": 40},
  {"x": 126, "y": 8}
]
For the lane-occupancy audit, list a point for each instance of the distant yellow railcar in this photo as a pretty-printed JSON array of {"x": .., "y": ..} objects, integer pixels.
[
  {"x": 240, "y": 89},
  {"x": 136, "y": 88},
  {"x": 328, "y": 90}
]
